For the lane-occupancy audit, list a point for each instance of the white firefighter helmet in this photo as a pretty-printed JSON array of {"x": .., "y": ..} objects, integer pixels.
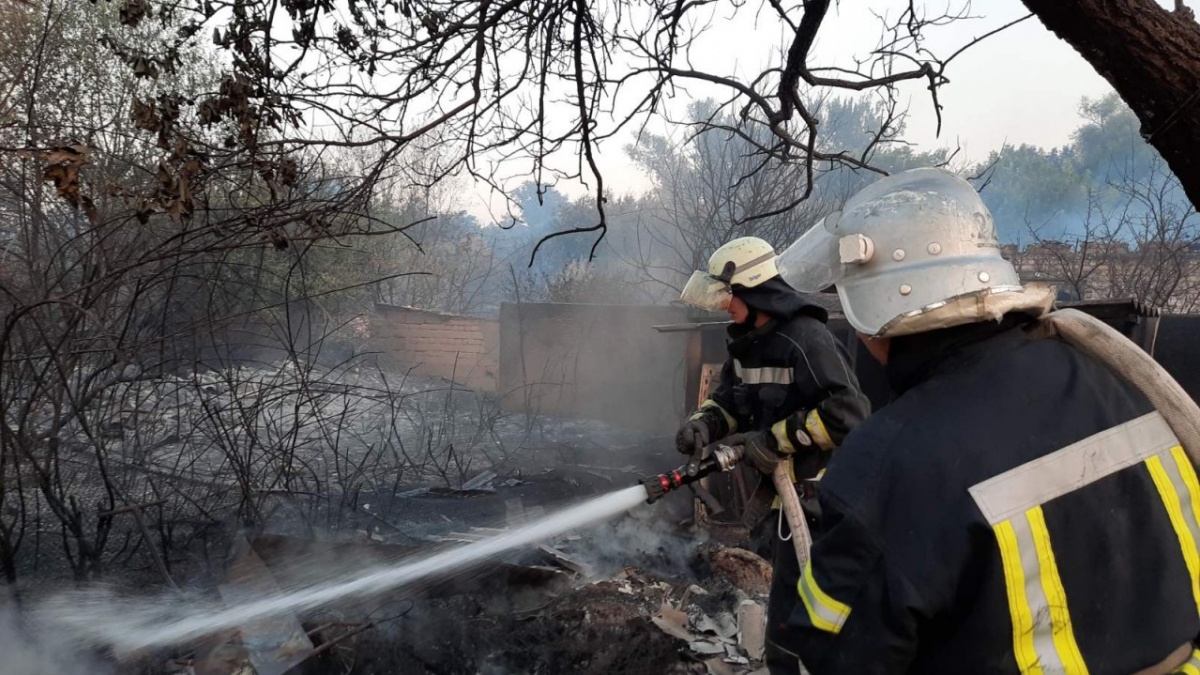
[
  {"x": 912, "y": 252},
  {"x": 744, "y": 262}
]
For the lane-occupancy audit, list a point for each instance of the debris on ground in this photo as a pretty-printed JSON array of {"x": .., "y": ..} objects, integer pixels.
[
  {"x": 668, "y": 592},
  {"x": 744, "y": 569},
  {"x": 544, "y": 610},
  {"x": 726, "y": 641},
  {"x": 269, "y": 646}
]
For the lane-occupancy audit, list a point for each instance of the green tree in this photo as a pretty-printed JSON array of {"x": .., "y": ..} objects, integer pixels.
[{"x": 1028, "y": 187}]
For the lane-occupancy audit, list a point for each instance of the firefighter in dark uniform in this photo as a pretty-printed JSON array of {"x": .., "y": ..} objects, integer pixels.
[
  {"x": 786, "y": 378},
  {"x": 1016, "y": 508}
]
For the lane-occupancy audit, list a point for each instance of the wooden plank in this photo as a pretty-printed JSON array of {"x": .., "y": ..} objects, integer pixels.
[
  {"x": 514, "y": 512},
  {"x": 683, "y": 327},
  {"x": 566, "y": 561},
  {"x": 275, "y": 645},
  {"x": 710, "y": 374}
]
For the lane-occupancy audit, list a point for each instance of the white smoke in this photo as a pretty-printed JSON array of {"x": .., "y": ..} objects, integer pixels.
[{"x": 25, "y": 650}]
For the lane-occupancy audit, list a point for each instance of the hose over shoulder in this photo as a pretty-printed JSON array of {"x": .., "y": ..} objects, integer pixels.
[{"x": 1107, "y": 345}]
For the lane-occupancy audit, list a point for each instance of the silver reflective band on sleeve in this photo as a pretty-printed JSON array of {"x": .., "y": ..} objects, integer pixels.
[
  {"x": 824, "y": 613},
  {"x": 762, "y": 375},
  {"x": 1033, "y": 483}
]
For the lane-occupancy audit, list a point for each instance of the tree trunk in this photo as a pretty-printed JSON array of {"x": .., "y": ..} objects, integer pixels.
[{"x": 1151, "y": 56}]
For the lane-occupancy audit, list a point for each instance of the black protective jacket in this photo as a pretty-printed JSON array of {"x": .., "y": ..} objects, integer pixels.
[
  {"x": 789, "y": 374},
  {"x": 1016, "y": 509}
]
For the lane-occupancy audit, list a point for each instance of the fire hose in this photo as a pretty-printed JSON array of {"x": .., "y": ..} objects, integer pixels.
[
  {"x": 1108, "y": 346},
  {"x": 725, "y": 458},
  {"x": 1079, "y": 329}
]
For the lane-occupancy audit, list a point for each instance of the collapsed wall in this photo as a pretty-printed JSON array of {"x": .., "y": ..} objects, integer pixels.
[{"x": 462, "y": 349}]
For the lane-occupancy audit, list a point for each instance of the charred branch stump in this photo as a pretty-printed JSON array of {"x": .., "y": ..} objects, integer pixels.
[{"x": 1151, "y": 56}]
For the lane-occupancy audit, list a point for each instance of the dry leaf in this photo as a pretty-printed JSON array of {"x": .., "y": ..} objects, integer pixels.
[{"x": 673, "y": 622}]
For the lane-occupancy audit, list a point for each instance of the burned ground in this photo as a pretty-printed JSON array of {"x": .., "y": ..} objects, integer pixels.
[{"x": 366, "y": 496}]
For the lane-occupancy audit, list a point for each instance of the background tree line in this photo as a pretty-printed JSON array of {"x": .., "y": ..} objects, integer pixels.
[{"x": 1103, "y": 214}]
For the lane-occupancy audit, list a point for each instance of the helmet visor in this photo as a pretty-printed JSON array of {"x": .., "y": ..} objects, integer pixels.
[
  {"x": 812, "y": 263},
  {"x": 706, "y": 292}
]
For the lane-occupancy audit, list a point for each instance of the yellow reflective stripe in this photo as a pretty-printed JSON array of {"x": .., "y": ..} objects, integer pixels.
[
  {"x": 1187, "y": 472},
  {"x": 1056, "y": 597},
  {"x": 779, "y": 431},
  {"x": 1191, "y": 666},
  {"x": 709, "y": 403},
  {"x": 815, "y": 427},
  {"x": 824, "y": 612},
  {"x": 1183, "y": 519},
  {"x": 1043, "y": 638},
  {"x": 1018, "y": 606}
]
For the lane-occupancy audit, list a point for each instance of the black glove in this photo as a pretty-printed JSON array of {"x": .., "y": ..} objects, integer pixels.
[
  {"x": 760, "y": 449},
  {"x": 695, "y": 434}
]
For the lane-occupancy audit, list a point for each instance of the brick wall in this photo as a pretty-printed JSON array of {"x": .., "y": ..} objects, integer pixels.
[{"x": 459, "y": 348}]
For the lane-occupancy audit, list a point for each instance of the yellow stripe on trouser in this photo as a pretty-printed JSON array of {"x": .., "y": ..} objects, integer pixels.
[
  {"x": 1043, "y": 639},
  {"x": 1191, "y": 666},
  {"x": 824, "y": 612},
  {"x": 1177, "y": 486}
]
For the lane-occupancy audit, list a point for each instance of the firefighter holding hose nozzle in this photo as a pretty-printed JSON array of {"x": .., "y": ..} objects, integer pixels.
[
  {"x": 787, "y": 393},
  {"x": 1018, "y": 507}
]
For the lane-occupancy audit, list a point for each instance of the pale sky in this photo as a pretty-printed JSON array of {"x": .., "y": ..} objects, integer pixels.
[{"x": 1023, "y": 85}]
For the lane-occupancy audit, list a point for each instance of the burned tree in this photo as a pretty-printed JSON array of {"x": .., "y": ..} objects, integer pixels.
[
  {"x": 709, "y": 188},
  {"x": 715, "y": 184},
  {"x": 1151, "y": 56},
  {"x": 489, "y": 81},
  {"x": 122, "y": 291}
]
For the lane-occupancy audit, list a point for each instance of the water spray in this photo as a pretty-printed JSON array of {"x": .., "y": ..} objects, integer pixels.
[{"x": 130, "y": 625}]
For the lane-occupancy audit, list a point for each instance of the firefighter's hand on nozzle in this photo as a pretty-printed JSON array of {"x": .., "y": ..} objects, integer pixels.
[
  {"x": 692, "y": 437},
  {"x": 759, "y": 447}
]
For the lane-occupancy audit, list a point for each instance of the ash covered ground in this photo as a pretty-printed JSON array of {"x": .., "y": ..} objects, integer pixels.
[{"x": 322, "y": 470}]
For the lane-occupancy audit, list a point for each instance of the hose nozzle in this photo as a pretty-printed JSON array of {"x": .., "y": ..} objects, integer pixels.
[
  {"x": 724, "y": 458},
  {"x": 657, "y": 486}
]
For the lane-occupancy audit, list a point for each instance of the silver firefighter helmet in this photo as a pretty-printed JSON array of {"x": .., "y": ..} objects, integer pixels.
[
  {"x": 744, "y": 262},
  {"x": 912, "y": 252}
]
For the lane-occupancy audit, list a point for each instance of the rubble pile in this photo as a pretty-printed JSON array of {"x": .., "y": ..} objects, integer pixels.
[
  {"x": 683, "y": 607},
  {"x": 637, "y": 622}
]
